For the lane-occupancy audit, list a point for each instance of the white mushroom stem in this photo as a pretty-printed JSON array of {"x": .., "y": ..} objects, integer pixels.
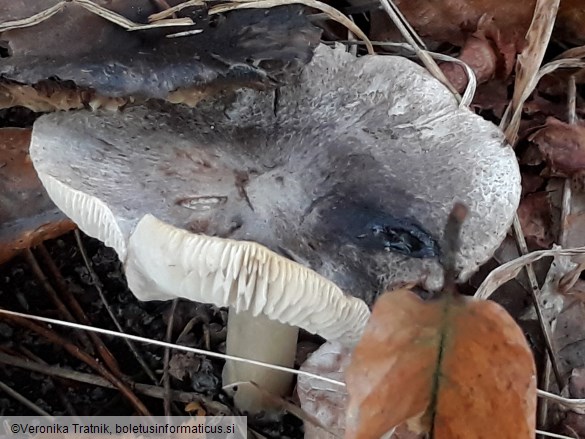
[{"x": 262, "y": 339}]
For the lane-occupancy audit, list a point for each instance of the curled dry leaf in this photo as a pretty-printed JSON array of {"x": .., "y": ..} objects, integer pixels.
[
  {"x": 563, "y": 146},
  {"x": 478, "y": 54},
  {"x": 510, "y": 270},
  {"x": 27, "y": 215},
  {"x": 464, "y": 365},
  {"x": 535, "y": 214},
  {"x": 451, "y": 20},
  {"x": 326, "y": 401}
]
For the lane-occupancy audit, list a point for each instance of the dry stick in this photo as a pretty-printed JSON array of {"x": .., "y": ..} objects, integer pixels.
[
  {"x": 86, "y": 378},
  {"x": 545, "y": 384},
  {"x": 565, "y": 212},
  {"x": 38, "y": 272},
  {"x": 451, "y": 245},
  {"x": 169, "y": 12},
  {"x": 127, "y": 24},
  {"x": 535, "y": 294},
  {"x": 60, "y": 391},
  {"x": 350, "y": 36},
  {"x": 166, "y": 360},
  {"x": 278, "y": 402},
  {"x": 554, "y": 435},
  {"x": 450, "y": 248},
  {"x": 527, "y": 73},
  {"x": 508, "y": 271},
  {"x": 163, "y": 5},
  {"x": 574, "y": 404},
  {"x": 426, "y": 59},
  {"x": 23, "y": 400},
  {"x": 529, "y": 62},
  {"x": 572, "y": 117},
  {"x": 570, "y": 403},
  {"x": 33, "y": 20},
  {"x": 333, "y": 13},
  {"x": 410, "y": 29},
  {"x": 20, "y": 315},
  {"x": 97, "y": 284},
  {"x": 82, "y": 356},
  {"x": 73, "y": 304},
  {"x": 362, "y": 8},
  {"x": 105, "y": 13}
]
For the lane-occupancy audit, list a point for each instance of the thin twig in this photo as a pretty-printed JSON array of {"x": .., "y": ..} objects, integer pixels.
[
  {"x": 575, "y": 404},
  {"x": 280, "y": 402},
  {"x": 170, "y": 12},
  {"x": 528, "y": 64},
  {"x": 186, "y": 33},
  {"x": 333, "y": 13},
  {"x": 86, "y": 378},
  {"x": 98, "y": 10},
  {"x": 23, "y": 400},
  {"x": 166, "y": 360},
  {"x": 565, "y": 212},
  {"x": 33, "y": 20},
  {"x": 80, "y": 355},
  {"x": 535, "y": 294},
  {"x": 426, "y": 59},
  {"x": 548, "y": 434},
  {"x": 80, "y": 315},
  {"x": 20, "y": 315},
  {"x": 451, "y": 245},
  {"x": 60, "y": 391},
  {"x": 527, "y": 76},
  {"x": 127, "y": 24},
  {"x": 505, "y": 272},
  {"x": 40, "y": 275},
  {"x": 97, "y": 284},
  {"x": 566, "y": 204},
  {"x": 545, "y": 384},
  {"x": 570, "y": 403},
  {"x": 360, "y": 9}
]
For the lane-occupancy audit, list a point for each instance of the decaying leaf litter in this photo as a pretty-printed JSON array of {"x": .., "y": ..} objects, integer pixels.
[{"x": 551, "y": 98}]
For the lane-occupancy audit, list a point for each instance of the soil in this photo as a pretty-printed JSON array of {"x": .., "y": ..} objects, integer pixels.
[{"x": 22, "y": 291}]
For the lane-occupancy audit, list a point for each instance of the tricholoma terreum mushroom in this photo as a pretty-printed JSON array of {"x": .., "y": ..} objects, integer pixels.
[{"x": 294, "y": 206}]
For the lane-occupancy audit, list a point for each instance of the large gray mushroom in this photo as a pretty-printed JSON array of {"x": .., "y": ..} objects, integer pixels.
[{"x": 293, "y": 204}]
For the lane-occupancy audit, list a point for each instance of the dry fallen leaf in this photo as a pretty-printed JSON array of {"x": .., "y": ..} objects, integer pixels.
[
  {"x": 535, "y": 214},
  {"x": 464, "y": 364},
  {"x": 324, "y": 400},
  {"x": 195, "y": 409},
  {"x": 27, "y": 215},
  {"x": 563, "y": 146},
  {"x": 573, "y": 421},
  {"x": 569, "y": 336},
  {"x": 478, "y": 54}
]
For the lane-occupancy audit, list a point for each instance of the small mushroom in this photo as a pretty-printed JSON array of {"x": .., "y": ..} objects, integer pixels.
[{"x": 291, "y": 204}]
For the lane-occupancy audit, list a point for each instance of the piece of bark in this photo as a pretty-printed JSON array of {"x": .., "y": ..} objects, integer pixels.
[
  {"x": 76, "y": 58},
  {"x": 27, "y": 215}
]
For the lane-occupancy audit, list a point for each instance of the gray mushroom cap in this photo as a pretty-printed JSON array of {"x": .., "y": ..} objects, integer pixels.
[{"x": 318, "y": 180}]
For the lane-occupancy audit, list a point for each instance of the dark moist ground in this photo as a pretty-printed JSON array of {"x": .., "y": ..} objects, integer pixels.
[{"x": 21, "y": 291}]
